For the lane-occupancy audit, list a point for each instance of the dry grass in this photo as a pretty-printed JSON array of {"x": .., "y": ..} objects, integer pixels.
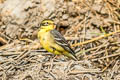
[{"x": 91, "y": 27}]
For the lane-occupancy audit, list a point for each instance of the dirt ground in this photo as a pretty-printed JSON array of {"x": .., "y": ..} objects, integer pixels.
[{"x": 92, "y": 27}]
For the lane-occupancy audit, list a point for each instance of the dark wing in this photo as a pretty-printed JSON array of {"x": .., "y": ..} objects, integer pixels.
[{"x": 60, "y": 40}]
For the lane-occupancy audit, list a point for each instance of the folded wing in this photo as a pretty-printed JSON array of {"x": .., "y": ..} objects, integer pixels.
[{"x": 60, "y": 40}]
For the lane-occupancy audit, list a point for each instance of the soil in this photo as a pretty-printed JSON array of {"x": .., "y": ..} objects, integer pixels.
[{"x": 91, "y": 27}]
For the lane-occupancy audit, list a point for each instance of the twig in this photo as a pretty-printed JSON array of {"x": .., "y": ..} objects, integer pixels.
[
  {"x": 115, "y": 54},
  {"x": 9, "y": 45},
  {"x": 94, "y": 39},
  {"x": 84, "y": 71},
  {"x": 109, "y": 64},
  {"x": 22, "y": 55},
  {"x": 57, "y": 63},
  {"x": 3, "y": 41},
  {"x": 7, "y": 53}
]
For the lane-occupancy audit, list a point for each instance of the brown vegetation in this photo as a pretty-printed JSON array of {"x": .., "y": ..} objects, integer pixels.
[{"x": 92, "y": 27}]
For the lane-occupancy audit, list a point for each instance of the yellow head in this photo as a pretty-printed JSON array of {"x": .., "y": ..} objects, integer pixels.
[{"x": 47, "y": 24}]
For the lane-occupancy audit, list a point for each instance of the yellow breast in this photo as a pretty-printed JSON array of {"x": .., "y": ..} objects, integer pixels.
[{"x": 47, "y": 41}]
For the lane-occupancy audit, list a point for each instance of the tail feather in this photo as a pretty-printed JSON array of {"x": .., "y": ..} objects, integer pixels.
[{"x": 71, "y": 56}]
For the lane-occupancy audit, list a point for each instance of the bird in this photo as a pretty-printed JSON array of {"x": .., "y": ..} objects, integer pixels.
[{"x": 53, "y": 41}]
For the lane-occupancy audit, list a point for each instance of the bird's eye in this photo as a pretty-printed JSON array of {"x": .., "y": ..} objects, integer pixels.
[{"x": 45, "y": 24}]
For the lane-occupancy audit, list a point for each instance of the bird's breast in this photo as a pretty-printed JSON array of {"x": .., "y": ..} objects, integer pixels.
[{"x": 46, "y": 40}]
